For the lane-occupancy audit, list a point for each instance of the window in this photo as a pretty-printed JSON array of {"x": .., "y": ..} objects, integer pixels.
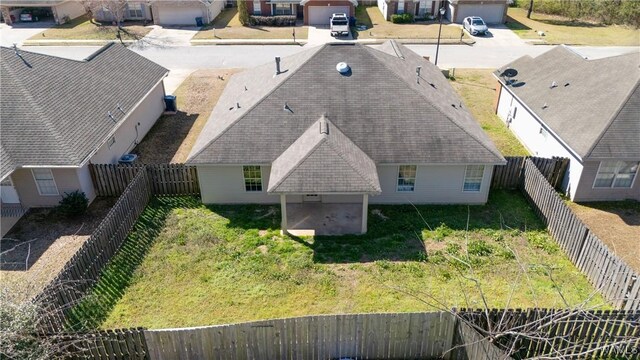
[
  {"x": 135, "y": 10},
  {"x": 45, "y": 182},
  {"x": 616, "y": 174},
  {"x": 473, "y": 177},
  {"x": 252, "y": 178},
  {"x": 406, "y": 177},
  {"x": 282, "y": 9},
  {"x": 257, "y": 10},
  {"x": 400, "y": 7}
]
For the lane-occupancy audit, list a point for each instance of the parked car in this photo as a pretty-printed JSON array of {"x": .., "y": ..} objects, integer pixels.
[
  {"x": 475, "y": 25},
  {"x": 35, "y": 14},
  {"x": 339, "y": 24}
]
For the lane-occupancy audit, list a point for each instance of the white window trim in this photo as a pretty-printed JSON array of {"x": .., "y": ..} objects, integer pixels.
[
  {"x": 53, "y": 178},
  {"x": 595, "y": 178},
  {"x": 401, "y": 7},
  {"x": 244, "y": 180},
  {"x": 257, "y": 10},
  {"x": 415, "y": 179},
  {"x": 464, "y": 178}
]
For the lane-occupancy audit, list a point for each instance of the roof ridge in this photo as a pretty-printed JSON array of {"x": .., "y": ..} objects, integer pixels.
[
  {"x": 265, "y": 96},
  {"x": 435, "y": 106},
  {"x": 612, "y": 120}
]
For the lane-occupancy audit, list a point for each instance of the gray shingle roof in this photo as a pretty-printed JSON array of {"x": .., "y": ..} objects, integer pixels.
[
  {"x": 322, "y": 160},
  {"x": 54, "y": 110},
  {"x": 598, "y": 113},
  {"x": 379, "y": 106}
]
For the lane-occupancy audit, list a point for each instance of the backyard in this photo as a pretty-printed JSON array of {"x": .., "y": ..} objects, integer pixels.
[
  {"x": 83, "y": 28},
  {"x": 379, "y": 28},
  {"x": 477, "y": 87},
  {"x": 187, "y": 264},
  {"x": 227, "y": 26},
  {"x": 559, "y": 30}
]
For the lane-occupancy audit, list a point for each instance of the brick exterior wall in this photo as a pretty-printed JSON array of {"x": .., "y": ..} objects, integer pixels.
[{"x": 352, "y": 10}]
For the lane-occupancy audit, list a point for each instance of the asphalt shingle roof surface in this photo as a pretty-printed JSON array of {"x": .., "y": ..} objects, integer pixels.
[
  {"x": 54, "y": 111},
  {"x": 379, "y": 106},
  {"x": 322, "y": 160},
  {"x": 595, "y": 107}
]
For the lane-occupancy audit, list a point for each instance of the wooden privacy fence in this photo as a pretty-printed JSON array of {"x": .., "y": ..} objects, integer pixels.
[
  {"x": 509, "y": 176},
  {"x": 615, "y": 280},
  {"x": 164, "y": 179},
  {"x": 560, "y": 333},
  {"x": 84, "y": 268}
]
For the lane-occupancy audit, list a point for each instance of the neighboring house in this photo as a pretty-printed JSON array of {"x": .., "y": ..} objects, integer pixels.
[
  {"x": 560, "y": 104},
  {"x": 491, "y": 11},
  {"x": 417, "y": 8},
  {"x": 167, "y": 12},
  {"x": 388, "y": 129},
  {"x": 58, "y": 115},
  {"x": 312, "y": 12},
  {"x": 60, "y": 10}
]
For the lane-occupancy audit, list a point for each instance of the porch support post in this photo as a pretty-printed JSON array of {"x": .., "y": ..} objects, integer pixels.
[
  {"x": 283, "y": 212},
  {"x": 365, "y": 211}
]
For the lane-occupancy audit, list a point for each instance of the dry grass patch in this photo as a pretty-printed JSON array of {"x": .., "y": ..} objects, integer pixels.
[
  {"x": 617, "y": 224},
  {"x": 83, "y": 28},
  {"x": 560, "y": 30},
  {"x": 227, "y": 26},
  {"x": 172, "y": 137},
  {"x": 379, "y": 28},
  {"x": 478, "y": 90}
]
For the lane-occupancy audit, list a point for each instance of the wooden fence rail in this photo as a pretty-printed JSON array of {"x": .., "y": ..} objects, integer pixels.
[
  {"x": 615, "y": 280},
  {"x": 509, "y": 176}
]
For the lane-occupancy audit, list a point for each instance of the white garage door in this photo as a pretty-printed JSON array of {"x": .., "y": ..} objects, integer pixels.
[
  {"x": 167, "y": 15},
  {"x": 490, "y": 13},
  {"x": 320, "y": 15}
]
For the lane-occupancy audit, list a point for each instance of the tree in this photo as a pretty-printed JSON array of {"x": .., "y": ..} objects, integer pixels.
[
  {"x": 530, "y": 9},
  {"x": 243, "y": 12}
]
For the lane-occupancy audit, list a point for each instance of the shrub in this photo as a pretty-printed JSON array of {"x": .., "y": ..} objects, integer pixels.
[
  {"x": 401, "y": 18},
  {"x": 243, "y": 13},
  {"x": 280, "y": 20},
  {"x": 480, "y": 248},
  {"x": 73, "y": 204}
]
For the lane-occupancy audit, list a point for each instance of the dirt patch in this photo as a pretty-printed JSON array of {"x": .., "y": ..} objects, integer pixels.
[
  {"x": 617, "y": 225},
  {"x": 172, "y": 137},
  {"x": 41, "y": 243}
]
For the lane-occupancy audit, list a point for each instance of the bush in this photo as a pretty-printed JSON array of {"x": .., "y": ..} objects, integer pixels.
[
  {"x": 243, "y": 13},
  {"x": 401, "y": 18},
  {"x": 280, "y": 20},
  {"x": 73, "y": 204}
]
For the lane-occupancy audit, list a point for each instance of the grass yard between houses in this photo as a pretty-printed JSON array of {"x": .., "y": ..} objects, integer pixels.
[
  {"x": 227, "y": 26},
  {"x": 379, "y": 28},
  {"x": 477, "y": 87},
  {"x": 187, "y": 264},
  {"x": 560, "y": 30},
  {"x": 83, "y": 28}
]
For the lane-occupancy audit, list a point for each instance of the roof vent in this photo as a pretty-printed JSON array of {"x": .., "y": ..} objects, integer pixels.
[
  {"x": 278, "y": 72},
  {"x": 553, "y": 85},
  {"x": 545, "y": 106},
  {"x": 324, "y": 127},
  {"x": 567, "y": 84},
  {"x": 287, "y": 108},
  {"x": 343, "y": 68},
  {"x": 120, "y": 108}
]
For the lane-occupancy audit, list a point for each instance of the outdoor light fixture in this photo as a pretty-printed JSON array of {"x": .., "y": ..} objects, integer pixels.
[{"x": 441, "y": 11}]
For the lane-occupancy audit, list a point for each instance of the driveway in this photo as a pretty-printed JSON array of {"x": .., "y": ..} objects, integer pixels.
[
  {"x": 168, "y": 36},
  {"x": 319, "y": 35},
  {"x": 19, "y": 32},
  {"x": 499, "y": 35}
]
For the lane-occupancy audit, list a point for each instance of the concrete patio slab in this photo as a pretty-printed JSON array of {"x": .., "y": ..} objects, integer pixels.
[{"x": 311, "y": 219}]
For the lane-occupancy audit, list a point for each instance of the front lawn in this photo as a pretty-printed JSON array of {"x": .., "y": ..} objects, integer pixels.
[
  {"x": 559, "y": 30},
  {"x": 84, "y": 29},
  {"x": 227, "y": 26},
  {"x": 187, "y": 264},
  {"x": 478, "y": 90},
  {"x": 379, "y": 28}
]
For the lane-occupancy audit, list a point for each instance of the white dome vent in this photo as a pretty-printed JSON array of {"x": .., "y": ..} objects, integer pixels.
[{"x": 343, "y": 68}]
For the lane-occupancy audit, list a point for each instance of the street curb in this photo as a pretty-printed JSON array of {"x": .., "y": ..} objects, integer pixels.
[
  {"x": 72, "y": 42},
  {"x": 304, "y": 42},
  {"x": 246, "y": 42}
]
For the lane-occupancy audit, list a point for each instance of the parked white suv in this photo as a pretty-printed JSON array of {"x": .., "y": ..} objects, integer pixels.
[{"x": 339, "y": 24}]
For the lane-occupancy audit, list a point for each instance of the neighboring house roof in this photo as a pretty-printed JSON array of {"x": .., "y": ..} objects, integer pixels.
[
  {"x": 321, "y": 160},
  {"x": 55, "y": 111},
  {"x": 595, "y": 106},
  {"x": 310, "y": 2},
  {"x": 381, "y": 106},
  {"x": 32, "y": 2}
]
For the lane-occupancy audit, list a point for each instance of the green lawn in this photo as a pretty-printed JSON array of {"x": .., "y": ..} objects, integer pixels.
[
  {"x": 187, "y": 264},
  {"x": 477, "y": 87},
  {"x": 379, "y": 28},
  {"x": 227, "y": 26},
  {"x": 83, "y": 29},
  {"x": 559, "y": 30}
]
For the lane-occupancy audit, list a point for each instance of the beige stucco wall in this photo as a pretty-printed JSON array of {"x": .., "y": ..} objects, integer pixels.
[
  {"x": 586, "y": 191},
  {"x": 66, "y": 181},
  {"x": 127, "y": 137},
  {"x": 72, "y": 9},
  {"x": 435, "y": 184}
]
